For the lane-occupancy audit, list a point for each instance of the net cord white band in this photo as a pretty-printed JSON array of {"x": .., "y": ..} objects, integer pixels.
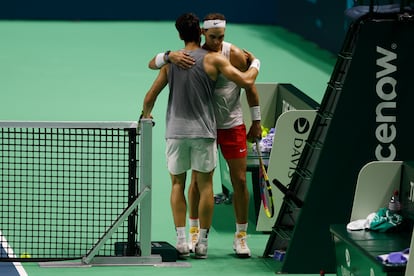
[{"x": 68, "y": 124}]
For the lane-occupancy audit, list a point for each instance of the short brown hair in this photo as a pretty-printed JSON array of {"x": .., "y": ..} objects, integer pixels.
[
  {"x": 188, "y": 26},
  {"x": 212, "y": 16}
]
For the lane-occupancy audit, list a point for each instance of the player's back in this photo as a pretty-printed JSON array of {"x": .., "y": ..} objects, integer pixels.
[{"x": 190, "y": 112}]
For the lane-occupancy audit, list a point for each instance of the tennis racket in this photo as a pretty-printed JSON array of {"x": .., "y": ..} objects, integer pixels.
[{"x": 265, "y": 187}]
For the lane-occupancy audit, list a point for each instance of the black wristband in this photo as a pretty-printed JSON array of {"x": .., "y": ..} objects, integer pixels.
[{"x": 166, "y": 56}]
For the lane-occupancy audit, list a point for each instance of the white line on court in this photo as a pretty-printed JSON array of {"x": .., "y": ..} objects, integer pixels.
[{"x": 11, "y": 254}]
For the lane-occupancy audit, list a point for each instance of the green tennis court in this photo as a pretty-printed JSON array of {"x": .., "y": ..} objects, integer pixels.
[{"x": 97, "y": 71}]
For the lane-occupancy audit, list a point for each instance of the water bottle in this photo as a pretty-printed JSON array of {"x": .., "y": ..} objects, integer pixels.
[{"x": 394, "y": 205}]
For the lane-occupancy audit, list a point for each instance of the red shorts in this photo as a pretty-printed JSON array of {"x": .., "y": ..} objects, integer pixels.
[{"x": 233, "y": 142}]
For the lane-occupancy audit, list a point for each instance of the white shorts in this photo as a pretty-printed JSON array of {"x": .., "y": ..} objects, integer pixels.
[{"x": 198, "y": 154}]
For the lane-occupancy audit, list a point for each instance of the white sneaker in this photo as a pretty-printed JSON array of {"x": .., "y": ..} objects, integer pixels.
[
  {"x": 194, "y": 235},
  {"x": 182, "y": 249},
  {"x": 201, "y": 249},
  {"x": 240, "y": 245}
]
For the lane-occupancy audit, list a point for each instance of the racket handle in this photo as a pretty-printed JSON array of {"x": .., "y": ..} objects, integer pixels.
[{"x": 288, "y": 193}]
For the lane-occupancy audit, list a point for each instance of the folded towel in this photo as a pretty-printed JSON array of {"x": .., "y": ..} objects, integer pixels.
[{"x": 381, "y": 221}]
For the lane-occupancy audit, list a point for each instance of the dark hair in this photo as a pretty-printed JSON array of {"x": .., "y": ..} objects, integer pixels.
[
  {"x": 188, "y": 26},
  {"x": 212, "y": 16}
]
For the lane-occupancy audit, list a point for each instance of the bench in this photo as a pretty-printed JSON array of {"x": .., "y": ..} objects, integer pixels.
[{"x": 357, "y": 251}]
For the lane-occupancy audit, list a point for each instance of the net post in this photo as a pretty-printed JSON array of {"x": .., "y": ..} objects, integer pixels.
[
  {"x": 131, "y": 248},
  {"x": 145, "y": 182}
]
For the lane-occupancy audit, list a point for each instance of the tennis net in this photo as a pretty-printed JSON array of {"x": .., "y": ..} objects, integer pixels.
[{"x": 62, "y": 184}]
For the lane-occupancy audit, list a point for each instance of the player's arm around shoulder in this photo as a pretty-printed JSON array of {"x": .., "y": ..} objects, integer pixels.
[
  {"x": 222, "y": 65},
  {"x": 180, "y": 58},
  {"x": 238, "y": 58},
  {"x": 212, "y": 63}
]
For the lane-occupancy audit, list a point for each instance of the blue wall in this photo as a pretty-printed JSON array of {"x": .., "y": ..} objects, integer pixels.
[
  {"x": 242, "y": 11},
  {"x": 320, "y": 21}
]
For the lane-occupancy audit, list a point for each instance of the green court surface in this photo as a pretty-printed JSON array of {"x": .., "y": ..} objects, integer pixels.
[{"x": 97, "y": 71}]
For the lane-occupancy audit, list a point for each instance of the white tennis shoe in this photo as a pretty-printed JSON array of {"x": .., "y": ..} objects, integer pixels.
[
  {"x": 201, "y": 249},
  {"x": 182, "y": 249},
  {"x": 240, "y": 245}
]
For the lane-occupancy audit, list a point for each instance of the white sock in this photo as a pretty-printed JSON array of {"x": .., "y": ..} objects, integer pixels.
[
  {"x": 194, "y": 222},
  {"x": 180, "y": 234},
  {"x": 241, "y": 227},
  {"x": 203, "y": 235}
]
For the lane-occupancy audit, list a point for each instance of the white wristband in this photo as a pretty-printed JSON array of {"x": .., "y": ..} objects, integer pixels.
[
  {"x": 255, "y": 113},
  {"x": 159, "y": 60},
  {"x": 256, "y": 64}
]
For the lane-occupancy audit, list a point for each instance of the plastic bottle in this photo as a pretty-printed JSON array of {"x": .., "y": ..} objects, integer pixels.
[{"x": 394, "y": 205}]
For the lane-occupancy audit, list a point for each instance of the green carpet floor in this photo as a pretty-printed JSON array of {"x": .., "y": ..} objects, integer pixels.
[{"x": 97, "y": 71}]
